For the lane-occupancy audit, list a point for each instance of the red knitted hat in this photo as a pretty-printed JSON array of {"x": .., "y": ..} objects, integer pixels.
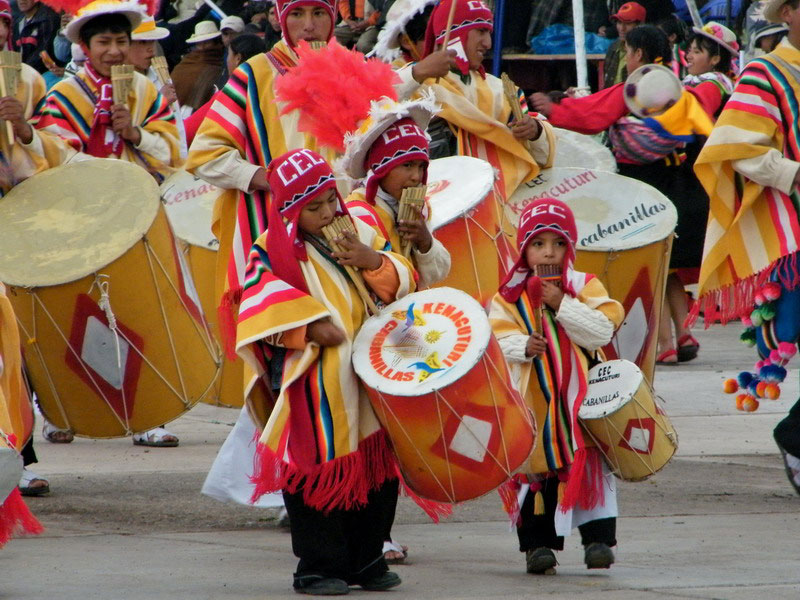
[
  {"x": 469, "y": 14},
  {"x": 295, "y": 179},
  {"x": 401, "y": 142},
  {"x": 285, "y": 6},
  {"x": 544, "y": 214}
]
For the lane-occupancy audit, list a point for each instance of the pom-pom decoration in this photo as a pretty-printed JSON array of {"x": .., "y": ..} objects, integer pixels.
[
  {"x": 746, "y": 321},
  {"x": 761, "y": 389},
  {"x": 731, "y": 386},
  {"x": 756, "y": 319},
  {"x": 772, "y": 373},
  {"x": 744, "y": 378},
  {"x": 759, "y": 299},
  {"x": 749, "y": 403},
  {"x": 772, "y": 391},
  {"x": 767, "y": 311},
  {"x": 787, "y": 351},
  {"x": 748, "y": 337},
  {"x": 771, "y": 291},
  {"x": 332, "y": 89}
]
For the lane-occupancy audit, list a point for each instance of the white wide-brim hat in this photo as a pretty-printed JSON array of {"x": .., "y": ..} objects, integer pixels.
[
  {"x": 133, "y": 10},
  {"x": 147, "y": 31},
  {"x": 651, "y": 89},
  {"x": 204, "y": 31},
  {"x": 382, "y": 114},
  {"x": 401, "y": 12},
  {"x": 772, "y": 10}
]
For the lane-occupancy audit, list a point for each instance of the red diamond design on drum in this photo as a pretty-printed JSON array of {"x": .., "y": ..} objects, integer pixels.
[
  {"x": 472, "y": 439},
  {"x": 639, "y": 436},
  {"x": 92, "y": 355}
]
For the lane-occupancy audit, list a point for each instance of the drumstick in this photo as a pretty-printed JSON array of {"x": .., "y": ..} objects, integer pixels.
[
  {"x": 450, "y": 18},
  {"x": 410, "y": 209},
  {"x": 510, "y": 90},
  {"x": 333, "y": 231}
]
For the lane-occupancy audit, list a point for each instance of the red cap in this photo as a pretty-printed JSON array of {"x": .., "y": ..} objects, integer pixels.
[{"x": 630, "y": 12}]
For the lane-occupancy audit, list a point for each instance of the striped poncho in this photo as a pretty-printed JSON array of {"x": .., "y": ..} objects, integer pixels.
[
  {"x": 68, "y": 112},
  {"x": 550, "y": 392},
  {"x": 479, "y": 113},
  {"x": 325, "y": 441},
  {"x": 747, "y": 167},
  {"x": 432, "y": 266},
  {"x": 243, "y": 131}
]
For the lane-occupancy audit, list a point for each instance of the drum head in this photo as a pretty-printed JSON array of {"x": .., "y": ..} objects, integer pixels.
[
  {"x": 70, "y": 221},
  {"x": 612, "y": 212},
  {"x": 455, "y": 185},
  {"x": 582, "y": 151},
  {"x": 190, "y": 207},
  {"x": 611, "y": 386},
  {"x": 421, "y": 343}
]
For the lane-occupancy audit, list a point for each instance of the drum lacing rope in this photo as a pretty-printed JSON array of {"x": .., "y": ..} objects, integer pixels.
[
  {"x": 658, "y": 422},
  {"x": 102, "y": 283},
  {"x": 37, "y": 301}
]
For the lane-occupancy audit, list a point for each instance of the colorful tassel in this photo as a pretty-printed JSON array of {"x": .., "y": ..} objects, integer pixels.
[
  {"x": 16, "y": 519},
  {"x": 538, "y": 504}
]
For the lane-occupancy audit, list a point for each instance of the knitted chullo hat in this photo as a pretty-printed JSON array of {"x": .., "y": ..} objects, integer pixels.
[
  {"x": 469, "y": 14},
  {"x": 295, "y": 179},
  {"x": 545, "y": 214},
  {"x": 285, "y": 7},
  {"x": 5, "y": 13}
]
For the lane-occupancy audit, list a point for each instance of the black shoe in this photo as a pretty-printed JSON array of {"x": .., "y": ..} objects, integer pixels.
[
  {"x": 598, "y": 556},
  {"x": 540, "y": 561},
  {"x": 322, "y": 586},
  {"x": 383, "y": 582}
]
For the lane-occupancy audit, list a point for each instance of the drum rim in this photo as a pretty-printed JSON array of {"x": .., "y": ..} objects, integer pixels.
[
  {"x": 24, "y": 276},
  {"x": 671, "y": 212},
  {"x": 462, "y": 210},
  {"x": 361, "y": 345},
  {"x": 623, "y": 399},
  {"x": 190, "y": 237}
]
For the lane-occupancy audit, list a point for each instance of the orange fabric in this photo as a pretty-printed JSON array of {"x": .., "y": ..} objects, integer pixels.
[
  {"x": 384, "y": 280},
  {"x": 344, "y": 11}
]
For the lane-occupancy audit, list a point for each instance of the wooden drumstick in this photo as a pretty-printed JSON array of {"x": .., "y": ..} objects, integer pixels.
[
  {"x": 450, "y": 18},
  {"x": 333, "y": 231}
]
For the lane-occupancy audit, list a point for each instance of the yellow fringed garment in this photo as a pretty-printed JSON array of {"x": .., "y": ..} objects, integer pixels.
[
  {"x": 325, "y": 440},
  {"x": 752, "y": 230}
]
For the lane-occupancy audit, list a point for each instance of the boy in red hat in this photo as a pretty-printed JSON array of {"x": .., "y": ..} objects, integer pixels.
[
  {"x": 475, "y": 111},
  {"x": 550, "y": 330},
  {"x": 629, "y": 15},
  {"x": 322, "y": 445}
]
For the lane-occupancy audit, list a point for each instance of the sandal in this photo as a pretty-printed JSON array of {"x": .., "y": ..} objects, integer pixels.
[
  {"x": 30, "y": 484},
  {"x": 687, "y": 348},
  {"x": 156, "y": 438},
  {"x": 393, "y": 553},
  {"x": 54, "y": 435},
  {"x": 668, "y": 357}
]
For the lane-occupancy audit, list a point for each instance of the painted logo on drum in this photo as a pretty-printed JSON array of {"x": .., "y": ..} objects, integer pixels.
[{"x": 420, "y": 342}]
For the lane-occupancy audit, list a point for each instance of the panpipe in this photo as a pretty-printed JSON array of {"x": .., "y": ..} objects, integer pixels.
[
  {"x": 121, "y": 83},
  {"x": 510, "y": 90},
  {"x": 337, "y": 228},
  {"x": 551, "y": 273},
  {"x": 161, "y": 68},
  {"x": 317, "y": 45},
  {"x": 10, "y": 67},
  {"x": 410, "y": 209}
]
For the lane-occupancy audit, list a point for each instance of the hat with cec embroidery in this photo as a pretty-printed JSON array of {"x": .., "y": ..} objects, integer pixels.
[{"x": 286, "y": 6}]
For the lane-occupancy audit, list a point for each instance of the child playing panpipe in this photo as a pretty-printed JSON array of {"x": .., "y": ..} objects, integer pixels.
[
  {"x": 322, "y": 444},
  {"x": 550, "y": 328},
  {"x": 391, "y": 156}
]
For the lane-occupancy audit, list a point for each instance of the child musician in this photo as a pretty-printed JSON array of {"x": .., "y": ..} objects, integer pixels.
[{"x": 551, "y": 321}]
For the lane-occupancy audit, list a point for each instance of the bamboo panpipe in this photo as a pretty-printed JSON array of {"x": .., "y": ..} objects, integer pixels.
[
  {"x": 332, "y": 232},
  {"x": 10, "y": 66},
  {"x": 548, "y": 272},
  {"x": 121, "y": 83},
  {"x": 510, "y": 90},
  {"x": 410, "y": 209},
  {"x": 159, "y": 64},
  {"x": 317, "y": 45}
]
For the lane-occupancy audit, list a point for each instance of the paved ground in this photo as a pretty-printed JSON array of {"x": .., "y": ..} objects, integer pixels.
[{"x": 720, "y": 521}]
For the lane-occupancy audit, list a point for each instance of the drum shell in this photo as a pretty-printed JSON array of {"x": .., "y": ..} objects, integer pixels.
[
  {"x": 417, "y": 426},
  {"x": 228, "y": 390},
  {"x": 608, "y": 435},
  {"x": 135, "y": 280},
  {"x": 631, "y": 275},
  {"x": 16, "y": 410}
]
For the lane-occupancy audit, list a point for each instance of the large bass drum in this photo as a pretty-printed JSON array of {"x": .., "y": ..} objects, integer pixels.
[{"x": 114, "y": 335}]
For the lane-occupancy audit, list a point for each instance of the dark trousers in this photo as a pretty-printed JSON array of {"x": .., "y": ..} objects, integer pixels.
[
  {"x": 28, "y": 454},
  {"x": 787, "y": 431},
  {"x": 345, "y": 544},
  {"x": 392, "y": 492},
  {"x": 535, "y": 531}
]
